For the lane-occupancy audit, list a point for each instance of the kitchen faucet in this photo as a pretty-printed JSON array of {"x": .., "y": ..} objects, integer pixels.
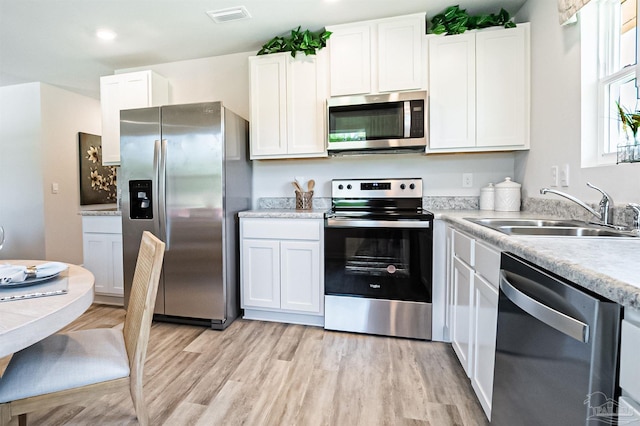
[
  {"x": 636, "y": 215},
  {"x": 604, "y": 216}
]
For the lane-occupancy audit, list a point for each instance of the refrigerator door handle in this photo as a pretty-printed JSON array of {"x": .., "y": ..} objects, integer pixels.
[
  {"x": 162, "y": 192},
  {"x": 553, "y": 318}
]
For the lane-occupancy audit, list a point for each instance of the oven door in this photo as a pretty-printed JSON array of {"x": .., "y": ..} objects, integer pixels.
[{"x": 390, "y": 263}]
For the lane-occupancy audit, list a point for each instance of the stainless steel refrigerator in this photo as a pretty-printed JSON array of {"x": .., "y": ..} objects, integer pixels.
[{"x": 184, "y": 175}]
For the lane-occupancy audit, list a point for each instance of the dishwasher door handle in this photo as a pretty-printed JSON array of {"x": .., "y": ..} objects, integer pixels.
[{"x": 553, "y": 318}]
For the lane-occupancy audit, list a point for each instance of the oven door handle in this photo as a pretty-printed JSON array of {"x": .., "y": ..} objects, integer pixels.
[
  {"x": 553, "y": 318},
  {"x": 360, "y": 223}
]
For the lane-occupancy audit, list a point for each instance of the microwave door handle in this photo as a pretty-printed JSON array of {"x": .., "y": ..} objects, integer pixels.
[
  {"x": 407, "y": 119},
  {"x": 555, "y": 319}
]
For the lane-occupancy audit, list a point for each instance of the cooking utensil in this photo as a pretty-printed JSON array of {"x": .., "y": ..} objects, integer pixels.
[
  {"x": 297, "y": 186},
  {"x": 310, "y": 185}
]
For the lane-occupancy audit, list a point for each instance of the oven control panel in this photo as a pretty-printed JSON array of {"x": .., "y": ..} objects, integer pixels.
[{"x": 376, "y": 188}]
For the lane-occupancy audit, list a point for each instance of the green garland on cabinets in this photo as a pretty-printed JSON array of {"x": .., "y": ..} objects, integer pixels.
[
  {"x": 456, "y": 21},
  {"x": 299, "y": 41}
]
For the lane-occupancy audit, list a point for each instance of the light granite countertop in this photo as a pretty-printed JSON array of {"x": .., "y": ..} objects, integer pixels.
[
  {"x": 101, "y": 212},
  {"x": 284, "y": 213},
  {"x": 609, "y": 267}
]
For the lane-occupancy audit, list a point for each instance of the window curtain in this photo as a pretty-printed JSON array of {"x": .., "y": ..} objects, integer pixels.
[{"x": 568, "y": 8}]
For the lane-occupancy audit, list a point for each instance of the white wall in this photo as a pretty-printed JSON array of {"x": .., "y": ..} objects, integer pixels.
[
  {"x": 21, "y": 200},
  {"x": 555, "y": 114},
  {"x": 226, "y": 79},
  {"x": 442, "y": 174},
  {"x": 220, "y": 78},
  {"x": 64, "y": 114},
  {"x": 39, "y": 127}
]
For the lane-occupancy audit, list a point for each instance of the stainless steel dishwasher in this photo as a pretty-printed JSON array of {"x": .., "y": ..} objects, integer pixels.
[{"x": 556, "y": 350}]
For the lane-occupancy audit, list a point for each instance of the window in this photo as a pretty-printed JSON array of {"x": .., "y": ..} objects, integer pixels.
[{"x": 608, "y": 35}]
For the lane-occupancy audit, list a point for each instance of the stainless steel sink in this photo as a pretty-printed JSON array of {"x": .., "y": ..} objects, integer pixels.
[
  {"x": 550, "y": 228},
  {"x": 562, "y": 231},
  {"x": 497, "y": 222}
]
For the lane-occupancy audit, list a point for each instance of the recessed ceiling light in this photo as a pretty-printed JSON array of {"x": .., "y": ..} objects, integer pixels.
[
  {"x": 106, "y": 35},
  {"x": 230, "y": 14}
]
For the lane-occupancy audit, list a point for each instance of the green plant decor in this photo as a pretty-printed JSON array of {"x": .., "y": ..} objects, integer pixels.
[
  {"x": 630, "y": 120},
  {"x": 300, "y": 41},
  {"x": 456, "y": 21}
]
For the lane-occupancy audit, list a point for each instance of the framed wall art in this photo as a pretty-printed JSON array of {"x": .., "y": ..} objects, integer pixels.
[{"x": 98, "y": 183}]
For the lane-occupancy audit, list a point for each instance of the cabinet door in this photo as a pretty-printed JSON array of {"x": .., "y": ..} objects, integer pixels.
[
  {"x": 300, "y": 285},
  {"x": 448, "y": 309},
  {"x": 96, "y": 254},
  {"x": 110, "y": 107},
  {"x": 102, "y": 255},
  {"x": 502, "y": 87},
  {"x": 400, "y": 56},
  {"x": 260, "y": 278},
  {"x": 461, "y": 313},
  {"x": 268, "y": 105},
  {"x": 350, "y": 57},
  {"x": 117, "y": 271},
  {"x": 122, "y": 91},
  {"x": 306, "y": 105},
  {"x": 484, "y": 341},
  {"x": 452, "y": 87}
]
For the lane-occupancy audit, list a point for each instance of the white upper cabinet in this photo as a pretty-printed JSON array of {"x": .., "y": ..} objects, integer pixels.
[
  {"x": 479, "y": 90},
  {"x": 288, "y": 102},
  {"x": 377, "y": 56},
  {"x": 400, "y": 59},
  {"x": 452, "y": 91},
  {"x": 126, "y": 91},
  {"x": 350, "y": 58}
]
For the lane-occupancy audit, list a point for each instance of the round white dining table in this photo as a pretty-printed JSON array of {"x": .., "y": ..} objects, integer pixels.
[{"x": 27, "y": 321}]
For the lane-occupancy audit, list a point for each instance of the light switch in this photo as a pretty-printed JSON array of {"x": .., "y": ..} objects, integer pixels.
[{"x": 54, "y": 187}]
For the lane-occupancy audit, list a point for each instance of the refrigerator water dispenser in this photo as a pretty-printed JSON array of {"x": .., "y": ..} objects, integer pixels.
[{"x": 140, "y": 199}]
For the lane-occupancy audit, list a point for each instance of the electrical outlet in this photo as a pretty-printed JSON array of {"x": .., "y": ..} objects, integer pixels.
[
  {"x": 467, "y": 180},
  {"x": 554, "y": 175},
  {"x": 564, "y": 175}
]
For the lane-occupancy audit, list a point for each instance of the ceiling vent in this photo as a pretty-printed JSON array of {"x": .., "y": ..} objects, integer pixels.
[{"x": 231, "y": 14}]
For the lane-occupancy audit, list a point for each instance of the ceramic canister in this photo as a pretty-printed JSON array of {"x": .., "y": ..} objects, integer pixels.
[
  {"x": 487, "y": 197},
  {"x": 507, "y": 198}
]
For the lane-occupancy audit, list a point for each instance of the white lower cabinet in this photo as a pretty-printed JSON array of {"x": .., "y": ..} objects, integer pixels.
[
  {"x": 484, "y": 341},
  {"x": 461, "y": 313},
  {"x": 102, "y": 253},
  {"x": 475, "y": 268},
  {"x": 282, "y": 270}
]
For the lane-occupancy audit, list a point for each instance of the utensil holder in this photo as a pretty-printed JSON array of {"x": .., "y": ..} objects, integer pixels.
[{"x": 304, "y": 200}]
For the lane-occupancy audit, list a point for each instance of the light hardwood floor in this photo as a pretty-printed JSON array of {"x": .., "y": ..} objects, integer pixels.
[{"x": 261, "y": 373}]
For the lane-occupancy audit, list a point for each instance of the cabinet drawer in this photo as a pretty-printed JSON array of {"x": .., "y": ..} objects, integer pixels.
[
  {"x": 487, "y": 263},
  {"x": 629, "y": 366},
  {"x": 463, "y": 247},
  {"x": 282, "y": 229},
  {"x": 102, "y": 224}
]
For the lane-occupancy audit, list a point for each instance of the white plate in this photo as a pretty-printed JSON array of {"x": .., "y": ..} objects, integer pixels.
[{"x": 28, "y": 281}]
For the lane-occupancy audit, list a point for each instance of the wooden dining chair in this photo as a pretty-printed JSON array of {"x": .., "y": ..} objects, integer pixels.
[{"x": 85, "y": 364}]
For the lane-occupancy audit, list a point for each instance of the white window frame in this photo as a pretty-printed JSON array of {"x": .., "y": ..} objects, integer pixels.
[{"x": 600, "y": 52}]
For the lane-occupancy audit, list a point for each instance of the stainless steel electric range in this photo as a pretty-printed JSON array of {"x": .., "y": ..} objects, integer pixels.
[{"x": 378, "y": 258}]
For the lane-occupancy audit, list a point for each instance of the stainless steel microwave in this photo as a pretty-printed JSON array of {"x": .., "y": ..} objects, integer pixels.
[{"x": 391, "y": 121}]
